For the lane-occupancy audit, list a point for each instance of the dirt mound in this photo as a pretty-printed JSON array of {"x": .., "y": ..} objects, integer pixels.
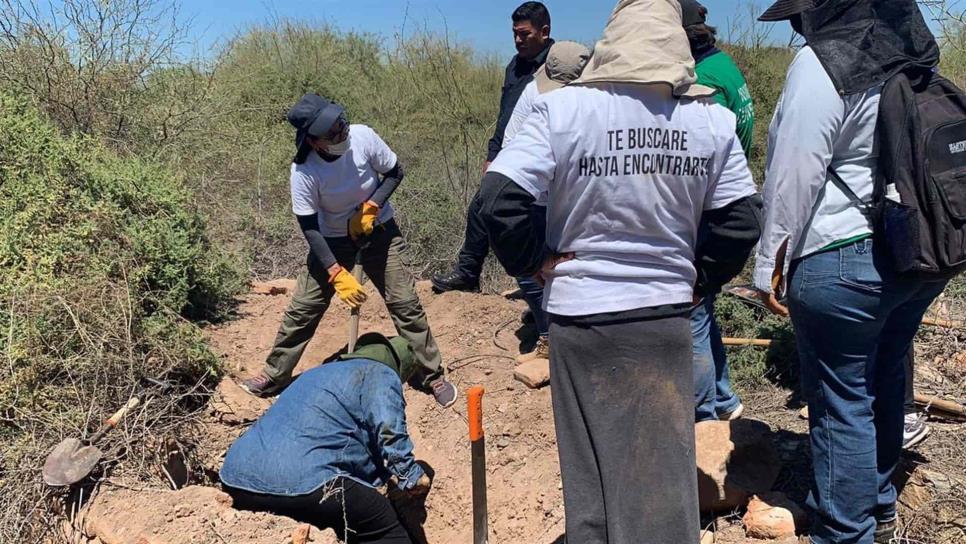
[
  {"x": 479, "y": 335},
  {"x": 191, "y": 515}
]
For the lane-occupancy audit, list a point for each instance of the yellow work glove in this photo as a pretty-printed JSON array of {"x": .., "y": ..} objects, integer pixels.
[
  {"x": 364, "y": 220},
  {"x": 347, "y": 288}
]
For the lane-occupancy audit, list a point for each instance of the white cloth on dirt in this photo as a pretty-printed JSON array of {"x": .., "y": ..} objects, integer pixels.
[
  {"x": 334, "y": 190},
  {"x": 814, "y": 127},
  {"x": 629, "y": 170},
  {"x": 644, "y": 43}
]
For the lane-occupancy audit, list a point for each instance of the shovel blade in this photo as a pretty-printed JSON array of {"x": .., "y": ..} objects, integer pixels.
[{"x": 70, "y": 462}]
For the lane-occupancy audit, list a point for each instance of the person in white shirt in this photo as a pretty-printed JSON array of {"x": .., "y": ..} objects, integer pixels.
[
  {"x": 565, "y": 62},
  {"x": 632, "y": 156},
  {"x": 341, "y": 180},
  {"x": 854, "y": 316}
]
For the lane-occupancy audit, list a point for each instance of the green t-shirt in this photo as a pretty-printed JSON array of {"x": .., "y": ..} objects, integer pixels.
[{"x": 720, "y": 72}]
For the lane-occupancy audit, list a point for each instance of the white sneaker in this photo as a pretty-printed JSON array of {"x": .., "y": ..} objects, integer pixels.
[
  {"x": 734, "y": 414},
  {"x": 914, "y": 430}
]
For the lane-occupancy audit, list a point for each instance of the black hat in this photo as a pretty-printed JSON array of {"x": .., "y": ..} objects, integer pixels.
[
  {"x": 782, "y": 10},
  {"x": 692, "y": 13},
  {"x": 312, "y": 116}
]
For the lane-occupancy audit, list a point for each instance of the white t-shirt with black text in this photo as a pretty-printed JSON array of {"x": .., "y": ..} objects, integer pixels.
[
  {"x": 629, "y": 170},
  {"x": 334, "y": 190}
]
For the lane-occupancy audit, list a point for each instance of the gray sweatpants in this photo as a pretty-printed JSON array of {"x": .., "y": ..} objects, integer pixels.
[{"x": 623, "y": 407}]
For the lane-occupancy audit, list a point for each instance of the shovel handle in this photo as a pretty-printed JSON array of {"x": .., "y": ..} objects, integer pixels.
[
  {"x": 114, "y": 420},
  {"x": 354, "y": 314},
  {"x": 947, "y": 407}
]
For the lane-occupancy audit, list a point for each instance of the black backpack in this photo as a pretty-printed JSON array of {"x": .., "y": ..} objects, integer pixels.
[{"x": 918, "y": 204}]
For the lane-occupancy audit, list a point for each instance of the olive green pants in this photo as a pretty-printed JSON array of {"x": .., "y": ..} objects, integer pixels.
[{"x": 383, "y": 261}]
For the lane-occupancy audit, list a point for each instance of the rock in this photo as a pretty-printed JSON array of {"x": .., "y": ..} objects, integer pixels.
[
  {"x": 736, "y": 459},
  {"x": 773, "y": 516},
  {"x": 191, "y": 515},
  {"x": 301, "y": 534},
  {"x": 534, "y": 374},
  {"x": 233, "y": 405}
]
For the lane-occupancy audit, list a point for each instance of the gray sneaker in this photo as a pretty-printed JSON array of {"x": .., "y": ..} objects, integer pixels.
[
  {"x": 444, "y": 392},
  {"x": 885, "y": 532},
  {"x": 262, "y": 386},
  {"x": 914, "y": 430}
]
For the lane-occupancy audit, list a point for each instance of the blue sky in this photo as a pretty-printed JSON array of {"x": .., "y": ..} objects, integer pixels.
[{"x": 483, "y": 24}]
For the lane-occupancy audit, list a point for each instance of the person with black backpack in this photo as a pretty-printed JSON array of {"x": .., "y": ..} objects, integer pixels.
[{"x": 861, "y": 230}]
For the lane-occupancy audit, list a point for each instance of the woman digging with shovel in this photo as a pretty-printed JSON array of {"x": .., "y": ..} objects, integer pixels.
[{"x": 341, "y": 205}]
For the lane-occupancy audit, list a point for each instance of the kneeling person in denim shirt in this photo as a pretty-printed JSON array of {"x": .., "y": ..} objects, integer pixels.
[{"x": 331, "y": 439}]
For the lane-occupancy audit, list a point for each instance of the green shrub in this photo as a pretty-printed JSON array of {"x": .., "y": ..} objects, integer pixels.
[{"x": 101, "y": 260}]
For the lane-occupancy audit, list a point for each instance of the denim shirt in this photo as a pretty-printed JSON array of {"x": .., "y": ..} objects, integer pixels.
[{"x": 346, "y": 418}]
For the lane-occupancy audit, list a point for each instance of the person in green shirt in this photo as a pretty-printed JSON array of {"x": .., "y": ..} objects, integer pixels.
[
  {"x": 716, "y": 69},
  {"x": 713, "y": 395}
]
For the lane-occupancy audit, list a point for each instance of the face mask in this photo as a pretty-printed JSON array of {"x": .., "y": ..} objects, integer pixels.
[{"x": 338, "y": 149}]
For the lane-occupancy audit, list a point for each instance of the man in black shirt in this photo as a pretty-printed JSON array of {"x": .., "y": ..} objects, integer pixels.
[{"x": 531, "y": 34}]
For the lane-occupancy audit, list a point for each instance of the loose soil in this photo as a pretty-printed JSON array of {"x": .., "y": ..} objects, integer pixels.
[{"x": 479, "y": 336}]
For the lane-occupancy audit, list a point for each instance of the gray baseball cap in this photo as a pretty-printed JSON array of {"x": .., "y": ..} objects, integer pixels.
[{"x": 565, "y": 62}]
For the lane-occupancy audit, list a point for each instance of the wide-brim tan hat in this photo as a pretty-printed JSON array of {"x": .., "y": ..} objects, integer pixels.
[
  {"x": 565, "y": 62},
  {"x": 644, "y": 43}
]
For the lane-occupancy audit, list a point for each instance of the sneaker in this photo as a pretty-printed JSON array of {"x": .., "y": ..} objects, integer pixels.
[
  {"x": 885, "y": 532},
  {"x": 455, "y": 281},
  {"x": 444, "y": 392},
  {"x": 734, "y": 414},
  {"x": 262, "y": 386},
  {"x": 914, "y": 430},
  {"x": 540, "y": 351}
]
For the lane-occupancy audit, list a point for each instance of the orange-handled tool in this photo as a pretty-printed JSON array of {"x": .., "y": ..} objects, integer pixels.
[{"x": 478, "y": 455}]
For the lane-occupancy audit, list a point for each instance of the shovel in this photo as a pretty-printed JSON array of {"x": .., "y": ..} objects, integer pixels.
[
  {"x": 72, "y": 460},
  {"x": 355, "y": 313}
]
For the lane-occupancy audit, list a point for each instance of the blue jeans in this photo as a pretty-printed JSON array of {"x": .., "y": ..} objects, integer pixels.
[
  {"x": 533, "y": 294},
  {"x": 713, "y": 396},
  {"x": 854, "y": 321}
]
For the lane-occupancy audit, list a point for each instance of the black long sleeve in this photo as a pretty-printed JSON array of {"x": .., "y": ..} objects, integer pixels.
[
  {"x": 390, "y": 182},
  {"x": 318, "y": 247},
  {"x": 728, "y": 237},
  {"x": 519, "y": 246}
]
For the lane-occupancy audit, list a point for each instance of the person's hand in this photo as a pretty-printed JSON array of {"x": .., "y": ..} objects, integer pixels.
[
  {"x": 422, "y": 487},
  {"x": 364, "y": 220},
  {"x": 770, "y": 300},
  {"x": 550, "y": 263},
  {"x": 486, "y": 166},
  {"x": 346, "y": 287}
]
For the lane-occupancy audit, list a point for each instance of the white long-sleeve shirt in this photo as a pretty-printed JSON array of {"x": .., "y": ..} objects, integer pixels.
[
  {"x": 522, "y": 110},
  {"x": 814, "y": 128}
]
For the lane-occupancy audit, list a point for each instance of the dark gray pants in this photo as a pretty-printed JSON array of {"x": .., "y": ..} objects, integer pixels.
[{"x": 623, "y": 408}]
